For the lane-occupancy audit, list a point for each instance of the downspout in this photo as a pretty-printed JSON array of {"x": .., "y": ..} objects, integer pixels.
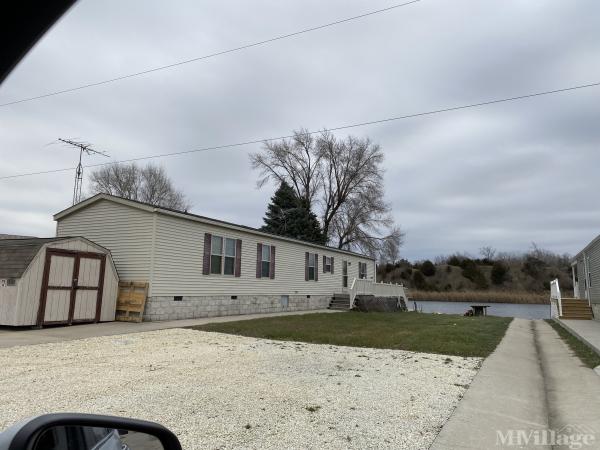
[
  {"x": 586, "y": 265},
  {"x": 575, "y": 284}
]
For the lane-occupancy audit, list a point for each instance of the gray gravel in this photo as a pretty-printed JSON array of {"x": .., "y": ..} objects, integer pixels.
[{"x": 220, "y": 391}]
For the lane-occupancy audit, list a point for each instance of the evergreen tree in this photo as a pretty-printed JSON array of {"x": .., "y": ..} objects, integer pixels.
[{"x": 287, "y": 215}]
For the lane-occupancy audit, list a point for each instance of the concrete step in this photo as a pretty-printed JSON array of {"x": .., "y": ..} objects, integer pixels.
[{"x": 339, "y": 307}]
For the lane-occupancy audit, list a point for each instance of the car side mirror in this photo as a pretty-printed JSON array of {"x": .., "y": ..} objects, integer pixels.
[{"x": 87, "y": 432}]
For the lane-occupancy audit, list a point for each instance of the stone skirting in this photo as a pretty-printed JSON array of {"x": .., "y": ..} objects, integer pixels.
[{"x": 166, "y": 308}]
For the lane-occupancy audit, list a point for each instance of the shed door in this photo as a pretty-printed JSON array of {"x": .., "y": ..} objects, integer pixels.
[{"x": 71, "y": 287}]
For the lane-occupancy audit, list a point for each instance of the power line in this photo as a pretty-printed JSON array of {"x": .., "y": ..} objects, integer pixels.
[
  {"x": 211, "y": 55},
  {"x": 342, "y": 127}
]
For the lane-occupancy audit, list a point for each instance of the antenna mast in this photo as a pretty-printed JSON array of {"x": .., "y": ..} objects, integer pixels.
[{"x": 83, "y": 147}]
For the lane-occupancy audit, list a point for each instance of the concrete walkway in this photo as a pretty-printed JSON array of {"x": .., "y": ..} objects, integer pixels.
[
  {"x": 11, "y": 337},
  {"x": 532, "y": 382},
  {"x": 586, "y": 330}
]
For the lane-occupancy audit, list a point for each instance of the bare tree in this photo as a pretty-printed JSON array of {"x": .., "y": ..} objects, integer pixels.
[
  {"x": 342, "y": 179},
  {"x": 297, "y": 161},
  {"x": 149, "y": 184},
  {"x": 351, "y": 169},
  {"x": 488, "y": 252}
]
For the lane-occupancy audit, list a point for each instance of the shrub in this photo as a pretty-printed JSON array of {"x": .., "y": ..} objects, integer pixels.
[
  {"x": 534, "y": 267},
  {"x": 499, "y": 273},
  {"x": 419, "y": 280},
  {"x": 471, "y": 272},
  {"x": 428, "y": 268},
  {"x": 454, "y": 261}
]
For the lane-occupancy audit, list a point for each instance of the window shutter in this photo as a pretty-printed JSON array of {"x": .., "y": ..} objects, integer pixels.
[
  {"x": 324, "y": 268},
  {"x": 238, "y": 258},
  {"x": 332, "y": 265},
  {"x": 206, "y": 258},
  {"x": 258, "y": 259},
  {"x": 316, "y": 267},
  {"x": 272, "y": 265},
  {"x": 306, "y": 266}
]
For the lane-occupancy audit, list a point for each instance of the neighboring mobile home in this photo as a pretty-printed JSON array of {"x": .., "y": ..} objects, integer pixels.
[
  {"x": 586, "y": 275},
  {"x": 197, "y": 266},
  {"x": 55, "y": 281}
]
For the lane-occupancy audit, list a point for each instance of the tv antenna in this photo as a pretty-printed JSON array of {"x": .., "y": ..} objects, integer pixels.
[{"x": 83, "y": 147}]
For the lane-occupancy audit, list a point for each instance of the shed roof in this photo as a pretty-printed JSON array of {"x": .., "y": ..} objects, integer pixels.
[{"x": 16, "y": 254}]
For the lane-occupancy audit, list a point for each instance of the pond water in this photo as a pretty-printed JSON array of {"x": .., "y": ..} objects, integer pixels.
[{"x": 523, "y": 311}]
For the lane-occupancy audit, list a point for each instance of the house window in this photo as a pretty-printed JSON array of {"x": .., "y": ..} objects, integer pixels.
[
  {"x": 311, "y": 265},
  {"x": 222, "y": 255},
  {"x": 11, "y": 282},
  {"x": 345, "y": 274},
  {"x": 327, "y": 265},
  {"x": 265, "y": 262},
  {"x": 362, "y": 270},
  {"x": 229, "y": 264}
]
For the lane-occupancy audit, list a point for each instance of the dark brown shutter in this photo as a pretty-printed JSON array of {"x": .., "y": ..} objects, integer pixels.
[
  {"x": 316, "y": 267},
  {"x": 258, "y": 259},
  {"x": 324, "y": 260},
  {"x": 272, "y": 265},
  {"x": 332, "y": 265},
  {"x": 206, "y": 258},
  {"x": 306, "y": 266},
  {"x": 238, "y": 258}
]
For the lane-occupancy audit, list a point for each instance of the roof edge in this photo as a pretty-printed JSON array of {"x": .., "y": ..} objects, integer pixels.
[{"x": 196, "y": 218}]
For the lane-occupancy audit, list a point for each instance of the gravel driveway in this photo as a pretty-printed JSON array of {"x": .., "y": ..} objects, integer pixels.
[{"x": 220, "y": 391}]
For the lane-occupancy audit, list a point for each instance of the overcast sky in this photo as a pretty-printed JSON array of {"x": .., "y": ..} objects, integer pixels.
[{"x": 502, "y": 175}]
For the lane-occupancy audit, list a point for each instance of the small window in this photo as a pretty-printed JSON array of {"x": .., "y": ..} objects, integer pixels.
[
  {"x": 177, "y": 298},
  {"x": 10, "y": 282},
  {"x": 311, "y": 266},
  {"x": 327, "y": 267},
  {"x": 216, "y": 255},
  {"x": 362, "y": 270},
  {"x": 222, "y": 256},
  {"x": 265, "y": 264}
]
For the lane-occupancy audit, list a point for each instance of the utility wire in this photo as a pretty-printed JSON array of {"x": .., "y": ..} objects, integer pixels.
[
  {"x": 342, "y": 127},
  {"x": 211, "y": 55}
]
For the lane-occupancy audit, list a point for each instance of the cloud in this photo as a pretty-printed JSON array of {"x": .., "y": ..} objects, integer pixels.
[{"x": 503, "y": 175}]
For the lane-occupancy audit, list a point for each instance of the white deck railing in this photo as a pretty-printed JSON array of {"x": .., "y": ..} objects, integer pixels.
[
  {"x": 555, "y": 299},
  {"x": 361, "y": 286}
]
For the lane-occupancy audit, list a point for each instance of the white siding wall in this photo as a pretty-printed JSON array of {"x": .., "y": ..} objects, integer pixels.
[
  {"x": 8, "y": 303},
  {"x": 178, "y": 259},
  {"x": 125, "y": 231},
  {"x": 30, "y": 284},
  {"x": 593, "y": 254}
]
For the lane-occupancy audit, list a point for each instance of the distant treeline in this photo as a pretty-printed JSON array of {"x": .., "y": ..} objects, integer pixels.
[{"x": 523, "y": 277}]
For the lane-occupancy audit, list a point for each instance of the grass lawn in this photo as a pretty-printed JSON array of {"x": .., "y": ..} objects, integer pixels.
[
  {"x": 587, "y": 356},
  {"x": 430, "y": 333}
]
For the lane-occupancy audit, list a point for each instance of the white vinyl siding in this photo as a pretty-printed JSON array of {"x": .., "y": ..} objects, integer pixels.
[
  {"x": 124, "y": 230},
  {"x": 174, "y": 267},
  {"x": 179, "y": 258}
]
